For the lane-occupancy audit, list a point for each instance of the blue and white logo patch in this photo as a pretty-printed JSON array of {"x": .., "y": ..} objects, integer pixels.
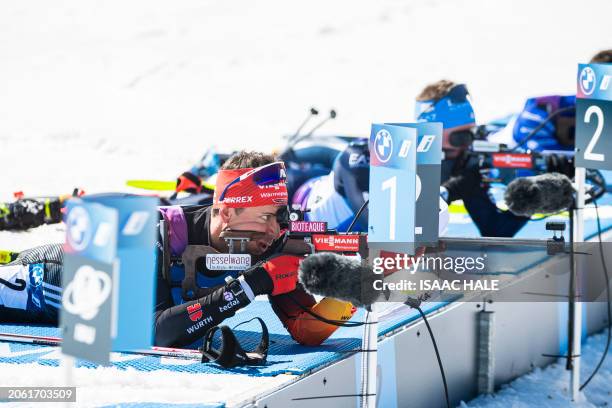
[
  {"x": 37, "y": 273},
  {"x": 383, "y": 145},
  {"x": 36, "y": 298}
]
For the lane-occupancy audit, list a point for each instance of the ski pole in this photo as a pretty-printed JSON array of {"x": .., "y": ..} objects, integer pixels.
[
  {"x": 312, "y": 112},
  {"x": 332, "y": 115}
]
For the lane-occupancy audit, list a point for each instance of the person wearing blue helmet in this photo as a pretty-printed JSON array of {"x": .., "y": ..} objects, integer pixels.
[
  {"x": 449, "y": 103},
  {"x": 547, "y": 123}
]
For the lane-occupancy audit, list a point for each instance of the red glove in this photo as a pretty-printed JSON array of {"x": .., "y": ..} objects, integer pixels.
[
  {"x": 283, "y": 270},
  {"x": 276, "y": 276}
]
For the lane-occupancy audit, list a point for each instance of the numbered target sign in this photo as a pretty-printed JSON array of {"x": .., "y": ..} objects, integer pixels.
[
  {"x": 392, "y": 194},
  {"x": 594, "y": 116},
  {"x": 428, "y": 157},
  {"x": 136, "y": 253},
  {"x": 89, "y": 272},
  {"x": 109, "y": 275}
]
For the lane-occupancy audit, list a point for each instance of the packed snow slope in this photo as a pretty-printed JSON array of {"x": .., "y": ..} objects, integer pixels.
[{"x": 95, "y": 92}]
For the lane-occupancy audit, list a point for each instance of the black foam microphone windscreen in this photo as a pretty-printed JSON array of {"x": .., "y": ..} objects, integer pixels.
[
  {"x": 545, "y": 193},
  {"x": 339, "y": 277}
]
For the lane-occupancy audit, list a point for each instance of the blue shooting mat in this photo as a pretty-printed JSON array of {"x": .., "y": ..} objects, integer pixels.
[{"x": 285, "y": 355}]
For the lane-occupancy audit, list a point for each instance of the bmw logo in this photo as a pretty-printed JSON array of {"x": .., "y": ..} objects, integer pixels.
[
  {"x": 383, "y": 145},
  {"x": 37, "y": 274},
  {"x": 587, "y": 80},
  {"x": 78, "y": 226}
]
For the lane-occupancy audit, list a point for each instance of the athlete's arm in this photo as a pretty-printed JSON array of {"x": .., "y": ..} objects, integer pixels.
[
  {"x": 302, "y": 326},
  {"x": 181, "y": 325}
]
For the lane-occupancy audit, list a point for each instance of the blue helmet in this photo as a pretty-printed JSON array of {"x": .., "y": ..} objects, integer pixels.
[
  {"x": 557, "y": 134},
  {"x": 453, "y": 110}
]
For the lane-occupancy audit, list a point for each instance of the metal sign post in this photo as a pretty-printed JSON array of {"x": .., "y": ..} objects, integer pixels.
[
  {"x": 593, "y": 150},
  {"x": 391, "y": 222},
  {"x": 575, "y": 309}
]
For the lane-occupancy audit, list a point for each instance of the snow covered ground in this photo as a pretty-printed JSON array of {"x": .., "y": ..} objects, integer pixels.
[
  {"x": 548, "y": 387},
  {"x": 106, "y": 385},
  {"x": 96, "y": 92}
]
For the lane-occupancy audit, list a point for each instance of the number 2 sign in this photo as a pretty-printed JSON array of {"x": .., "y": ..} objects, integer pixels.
[
  {"x": 593, "y": 116},
  {"x": 392, "y": 188}
]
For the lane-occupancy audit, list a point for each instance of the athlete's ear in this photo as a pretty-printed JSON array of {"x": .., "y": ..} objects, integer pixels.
[{"x": 225, "y": 214}]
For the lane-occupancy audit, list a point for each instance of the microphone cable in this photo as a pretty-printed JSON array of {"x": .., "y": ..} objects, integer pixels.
[
  {"x": 607, "y": 277},
  {"x": 339, "y": 323},
  {"x": 356, "y": 217},
  {"x": 416, "y": 304},
  {"x": 317, "y": 316}
]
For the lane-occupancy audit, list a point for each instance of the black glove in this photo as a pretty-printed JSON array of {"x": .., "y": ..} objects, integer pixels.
[
  {"x": 464, "y": 182},
  {"x": 560, "y": 163}
]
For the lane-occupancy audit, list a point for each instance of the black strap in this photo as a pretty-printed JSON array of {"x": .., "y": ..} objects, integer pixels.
[
  {"x": 165, "y": 250},
  {"x": 231, "y": 353}
]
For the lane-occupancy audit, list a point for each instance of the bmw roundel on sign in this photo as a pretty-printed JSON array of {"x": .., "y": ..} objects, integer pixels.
[
  {"x": 383, "y": 145},
  {"x": 78, "y": 228},
  {"x": 587, "y": 80}
]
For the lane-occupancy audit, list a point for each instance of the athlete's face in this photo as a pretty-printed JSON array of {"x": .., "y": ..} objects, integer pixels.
[
  {"x": 450, "y": 151},
  {"x": 257, "y": 219}
]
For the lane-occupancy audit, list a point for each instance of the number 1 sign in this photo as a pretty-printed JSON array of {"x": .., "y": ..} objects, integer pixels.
[
  {"x": 392, "y": 188},
  {"x": 428, "y": 158},
  {"x": 593, "y": 116}
]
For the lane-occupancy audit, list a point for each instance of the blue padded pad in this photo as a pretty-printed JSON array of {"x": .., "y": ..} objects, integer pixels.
[{"x": 285, "y": 355}]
